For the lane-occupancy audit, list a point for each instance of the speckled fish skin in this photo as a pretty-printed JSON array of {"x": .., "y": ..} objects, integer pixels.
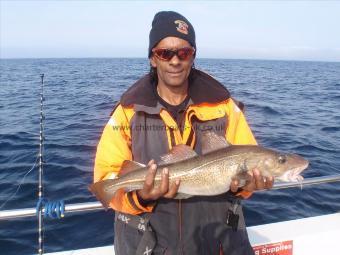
[{"x": 210, "y": 174}]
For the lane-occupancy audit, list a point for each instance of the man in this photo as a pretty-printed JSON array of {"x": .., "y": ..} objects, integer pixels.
[{"x": 174, "y": 104}]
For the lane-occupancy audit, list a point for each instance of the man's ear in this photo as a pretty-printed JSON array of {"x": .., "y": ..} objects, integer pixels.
[{"x": 153, "y": 62}]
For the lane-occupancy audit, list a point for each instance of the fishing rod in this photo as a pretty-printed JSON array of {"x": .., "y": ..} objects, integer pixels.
[
  {"x": 41, "y": 171},
  {"x": 307, "y": 182},
  {"x": 95, "y": 206},
  {"x": 45, "y": 208}
]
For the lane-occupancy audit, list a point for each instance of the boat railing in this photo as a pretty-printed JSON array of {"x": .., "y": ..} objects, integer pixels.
[{"x": 95, "y": 206}]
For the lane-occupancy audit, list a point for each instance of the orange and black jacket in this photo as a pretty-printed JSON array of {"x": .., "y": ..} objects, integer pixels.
[{"x": 140, "y": 129}]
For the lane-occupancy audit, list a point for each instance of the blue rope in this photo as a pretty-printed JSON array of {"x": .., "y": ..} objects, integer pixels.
[{"x": 53, "y": 209}]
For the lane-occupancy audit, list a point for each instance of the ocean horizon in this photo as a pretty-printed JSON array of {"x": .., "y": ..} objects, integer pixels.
[{"x": 198, "y": 58}]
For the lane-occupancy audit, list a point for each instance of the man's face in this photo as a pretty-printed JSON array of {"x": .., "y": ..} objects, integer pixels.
[{"x": 175, "y": 72}]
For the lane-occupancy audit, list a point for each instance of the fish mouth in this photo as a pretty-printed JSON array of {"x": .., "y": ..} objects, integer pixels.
[{"x": 293, "y": 175}]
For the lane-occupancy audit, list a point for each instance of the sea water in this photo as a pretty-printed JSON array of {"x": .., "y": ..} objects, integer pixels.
[{"x": 292, "y": 106}]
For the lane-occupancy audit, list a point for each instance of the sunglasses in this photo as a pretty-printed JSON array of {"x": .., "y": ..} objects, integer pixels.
[{"x": 167, "y": 54}]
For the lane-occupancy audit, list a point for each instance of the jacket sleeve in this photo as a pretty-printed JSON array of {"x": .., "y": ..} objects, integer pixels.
[
  {"x": 113, "y": 148},
  {"x": 238, "y": 132}
]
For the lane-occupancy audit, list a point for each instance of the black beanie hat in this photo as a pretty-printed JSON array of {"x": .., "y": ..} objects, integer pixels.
[{"x": 169, "y": 23}]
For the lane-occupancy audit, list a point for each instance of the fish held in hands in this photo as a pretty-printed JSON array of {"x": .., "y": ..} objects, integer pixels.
[{"x": 208, "y": 174}]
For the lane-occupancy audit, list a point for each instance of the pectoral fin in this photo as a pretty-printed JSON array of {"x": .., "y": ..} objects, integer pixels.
[{"x": 243, "y": 177}]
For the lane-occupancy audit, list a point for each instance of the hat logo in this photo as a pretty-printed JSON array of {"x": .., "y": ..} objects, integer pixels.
[{"x": 182, "y": 27}]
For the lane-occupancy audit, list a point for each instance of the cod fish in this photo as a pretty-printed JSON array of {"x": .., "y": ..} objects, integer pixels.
[{"x": 208, "y": 174}]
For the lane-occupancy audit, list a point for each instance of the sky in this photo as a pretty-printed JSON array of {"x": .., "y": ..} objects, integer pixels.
[{"x": 282, "y": 30}]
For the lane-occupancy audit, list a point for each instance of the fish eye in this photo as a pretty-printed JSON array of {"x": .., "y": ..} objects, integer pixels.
[{"x": 282, "y": 159}]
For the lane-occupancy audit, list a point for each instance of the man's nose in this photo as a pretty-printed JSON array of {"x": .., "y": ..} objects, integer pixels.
[{"x": 175, "y": 60}]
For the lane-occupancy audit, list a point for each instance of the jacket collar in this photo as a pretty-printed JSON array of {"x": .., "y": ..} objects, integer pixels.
[{"x": 202, "y": 89}]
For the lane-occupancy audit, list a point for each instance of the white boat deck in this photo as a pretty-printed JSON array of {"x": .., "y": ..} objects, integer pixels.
[{"x": 307, "y": 236}]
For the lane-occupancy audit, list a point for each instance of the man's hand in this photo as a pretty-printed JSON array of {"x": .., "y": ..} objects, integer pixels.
[
  {"x": 150, "y": 192},
  {"x": 256, "y": 182}
]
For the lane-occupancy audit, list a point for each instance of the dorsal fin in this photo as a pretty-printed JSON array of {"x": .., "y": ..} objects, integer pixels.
[
  {"x": 129, "y": 166},
  {"x": 178, "y": 153},
  {"x": 212, "y": 142}
]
